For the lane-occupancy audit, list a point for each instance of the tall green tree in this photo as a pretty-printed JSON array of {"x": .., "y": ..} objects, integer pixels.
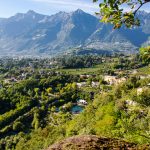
[{"x": 145, "y": 54}]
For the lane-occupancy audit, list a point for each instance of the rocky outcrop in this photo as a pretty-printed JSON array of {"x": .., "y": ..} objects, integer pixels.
[{"x": 91, "y": 142}]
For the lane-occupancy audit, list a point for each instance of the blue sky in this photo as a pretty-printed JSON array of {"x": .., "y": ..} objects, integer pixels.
[{"x": 11, "y": 7}]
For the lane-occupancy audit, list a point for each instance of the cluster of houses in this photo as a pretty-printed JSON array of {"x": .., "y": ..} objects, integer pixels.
[
  {"x": 84, "y": 84},
  {"x": 26, "y": 74},
  {"x": 22, "y": 76},
  {"x": 131, "y": 103},
  {"x": 10, "y": 80},
  {"x": 113, "y": 80},
  {"x": 110, "y": 80}
]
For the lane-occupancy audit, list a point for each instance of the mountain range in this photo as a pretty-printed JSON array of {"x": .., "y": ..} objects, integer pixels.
[{"x": 33, "y": 34}]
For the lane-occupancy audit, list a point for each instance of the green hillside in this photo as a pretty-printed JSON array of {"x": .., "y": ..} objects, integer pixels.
[{"x": 42, "y": 101}]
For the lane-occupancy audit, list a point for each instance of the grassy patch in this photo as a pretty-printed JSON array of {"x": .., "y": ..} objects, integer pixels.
[
  {"x": 144, "y": 70},
  {"x": 92, "y": 70}
]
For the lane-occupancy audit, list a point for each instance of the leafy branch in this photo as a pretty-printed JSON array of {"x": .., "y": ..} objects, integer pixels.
[{"x": 111, "y": 11}]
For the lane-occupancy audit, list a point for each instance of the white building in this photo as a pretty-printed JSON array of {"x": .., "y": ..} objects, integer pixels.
[
  {"x": 95, "y": 84},
  {"x": 82, "y": 102},
  {"x": 131, "y": 103},
  {"x": 81, "y": 84}
]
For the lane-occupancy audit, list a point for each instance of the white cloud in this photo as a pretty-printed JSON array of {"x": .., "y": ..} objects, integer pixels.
[
  {"x": 71, "y": 4},
  {"x": 66, "y": 2}
]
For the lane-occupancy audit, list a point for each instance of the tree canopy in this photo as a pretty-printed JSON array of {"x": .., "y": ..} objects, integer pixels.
[
  {"x": 145, "y": 54},
  {"x": 112, "y": 11}
]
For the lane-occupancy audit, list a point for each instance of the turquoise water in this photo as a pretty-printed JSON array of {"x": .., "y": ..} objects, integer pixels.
[{"x": 76, "y": 109}]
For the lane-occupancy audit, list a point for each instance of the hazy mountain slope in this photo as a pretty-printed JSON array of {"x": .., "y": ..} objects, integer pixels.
[{"x": 35, "y": 34}]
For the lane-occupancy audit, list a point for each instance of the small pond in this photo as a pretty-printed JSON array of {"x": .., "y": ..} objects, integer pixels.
[{"x": 77, "y": 109}]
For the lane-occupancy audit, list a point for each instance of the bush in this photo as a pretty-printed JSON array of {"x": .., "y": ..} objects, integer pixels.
[{"x": 18, "y": 126}]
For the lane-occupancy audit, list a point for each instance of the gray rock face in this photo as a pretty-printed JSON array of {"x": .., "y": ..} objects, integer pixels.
[{"x": 35, "y": 34}]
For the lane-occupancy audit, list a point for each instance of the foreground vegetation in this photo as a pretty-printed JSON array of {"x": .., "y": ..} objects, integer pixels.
[{"x": 38, "y": 98}]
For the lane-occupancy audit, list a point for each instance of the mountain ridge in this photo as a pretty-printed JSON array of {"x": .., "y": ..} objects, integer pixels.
[{"x": 32, "y": 33}]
